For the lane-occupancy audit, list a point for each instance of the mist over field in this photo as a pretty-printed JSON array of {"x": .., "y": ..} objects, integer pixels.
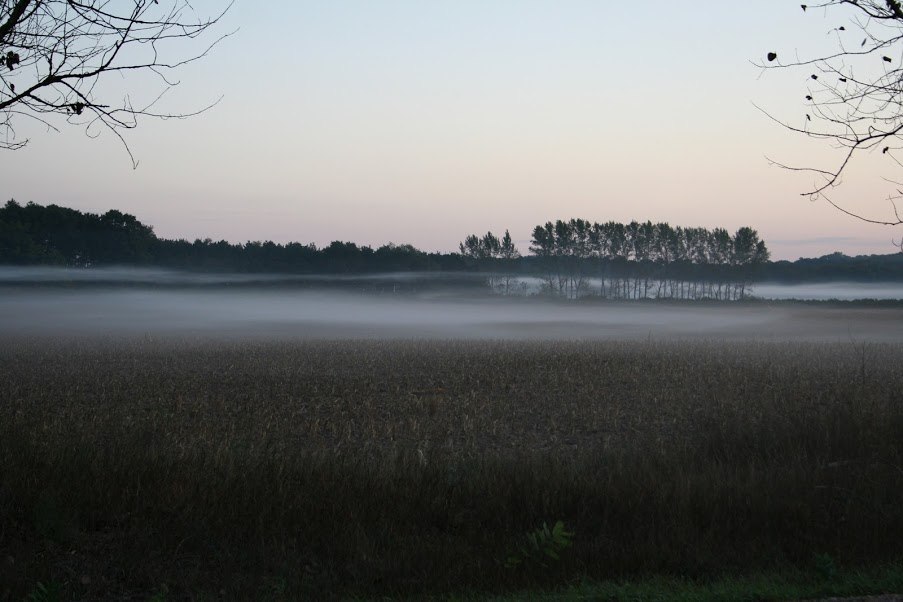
[
  {"x": 11, "y": 275},
  {"x": 162, "y": 276},
  {"x": 128, "y": 302},
  {"x": 821, "y": 291}
]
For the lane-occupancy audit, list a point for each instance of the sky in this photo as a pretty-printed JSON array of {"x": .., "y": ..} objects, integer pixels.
[{"x": 422, "y": 122}]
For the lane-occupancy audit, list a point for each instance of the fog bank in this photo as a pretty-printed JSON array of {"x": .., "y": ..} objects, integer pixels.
[
  {"x": 250, "y": 313},
  {"x": 420, "y": 282},
  {"x": 820, "y": 291}
]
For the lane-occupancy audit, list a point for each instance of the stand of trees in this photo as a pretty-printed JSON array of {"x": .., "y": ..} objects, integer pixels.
[
  {"x": 53, "y": 235},
  {"x": 646, "y": 260},
  {"x": 837, "y": 266},
  {"x": 499, "y": 255}
]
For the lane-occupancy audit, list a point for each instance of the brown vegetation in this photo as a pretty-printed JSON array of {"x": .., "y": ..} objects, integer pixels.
[{"x": 256, "y": 470}]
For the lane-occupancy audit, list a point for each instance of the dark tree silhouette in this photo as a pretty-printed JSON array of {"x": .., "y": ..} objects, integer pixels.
[
  {"x": 494, "y": 254},
  {"x": 853, "y": 95},
  {"x": 476, "y": 248},
  {"x": 54, "y": 54},
  {"x": 635, "y": 260},
  {"x": 643, "y": 260}
]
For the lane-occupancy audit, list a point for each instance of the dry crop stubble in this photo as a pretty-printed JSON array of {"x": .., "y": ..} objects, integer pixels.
[{"x": 390, "y": 466}]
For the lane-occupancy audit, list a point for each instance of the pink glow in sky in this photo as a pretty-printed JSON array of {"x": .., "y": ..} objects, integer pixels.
[{"x": 420, "y": 123}]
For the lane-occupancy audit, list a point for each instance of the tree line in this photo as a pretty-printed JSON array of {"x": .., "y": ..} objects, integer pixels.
[
  {"x": 54, "y": 235},
  {"x": 641, "y": 260},
  {"x": 567, "y": 258},
  {"x": 636, "y": 260}
]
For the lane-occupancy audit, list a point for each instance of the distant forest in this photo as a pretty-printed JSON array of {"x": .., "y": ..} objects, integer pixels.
[{"x": 571, "y": 258}]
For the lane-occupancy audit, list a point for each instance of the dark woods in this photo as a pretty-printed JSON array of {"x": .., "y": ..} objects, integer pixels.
[
  {"x": 646, "y": 260},
  {"x": 572, "y": 259},
  {"x": 53, "y": 235}
]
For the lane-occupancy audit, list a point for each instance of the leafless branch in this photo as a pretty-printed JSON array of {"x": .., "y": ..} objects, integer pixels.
[
  {"x": 54, "y": 53},
  {"x": 853, "y": 96}
]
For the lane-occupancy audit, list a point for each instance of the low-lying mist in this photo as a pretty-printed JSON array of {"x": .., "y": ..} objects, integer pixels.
[
  {"x": 422, "y": 282},
  {"x": 330, "y": 314},
  {"x": 167, "y": 277}
]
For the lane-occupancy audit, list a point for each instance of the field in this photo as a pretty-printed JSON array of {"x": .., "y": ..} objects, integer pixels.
[{"x": 193, "y": 469}]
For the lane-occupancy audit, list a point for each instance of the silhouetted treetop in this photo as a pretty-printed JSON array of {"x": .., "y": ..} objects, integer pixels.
[
  {"x": 647, "y": 241},
  {"x": 573, "y": 249}
]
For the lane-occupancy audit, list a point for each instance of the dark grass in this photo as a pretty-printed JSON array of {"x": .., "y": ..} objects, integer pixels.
[
  {"x": 326, "y": 470},
  {"x": 787, "y": 584}
]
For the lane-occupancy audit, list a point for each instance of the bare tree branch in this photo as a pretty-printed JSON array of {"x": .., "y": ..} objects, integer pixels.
[
  {"x": 854, "y": 96},
  {"x": 54, "y": 53}
]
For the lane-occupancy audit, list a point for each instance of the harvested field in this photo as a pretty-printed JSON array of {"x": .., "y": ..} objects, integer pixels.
[{"x": 270, "y": 469}]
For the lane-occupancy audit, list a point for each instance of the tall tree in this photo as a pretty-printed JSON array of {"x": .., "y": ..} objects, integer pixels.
[
  {"x": 508, "y": 251},
  {"x": 542, "y": 244},
  {"x": 471, "y": 247},
  {"x": 508, "y": 254}
]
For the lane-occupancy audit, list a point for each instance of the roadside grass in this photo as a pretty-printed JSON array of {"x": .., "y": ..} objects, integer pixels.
[
  {"x": 274, "y": 471},
  {"x": 784, "y": 585},
  {"x": 779, "y": 585}
]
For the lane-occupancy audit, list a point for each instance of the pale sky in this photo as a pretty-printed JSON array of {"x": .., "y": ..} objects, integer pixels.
[{"x": 421, "y": 122}]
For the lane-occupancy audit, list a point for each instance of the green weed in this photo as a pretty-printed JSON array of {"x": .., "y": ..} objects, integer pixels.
[
  {"x": 49, "y": 592},
  {"x": 541, "y": 546}
]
